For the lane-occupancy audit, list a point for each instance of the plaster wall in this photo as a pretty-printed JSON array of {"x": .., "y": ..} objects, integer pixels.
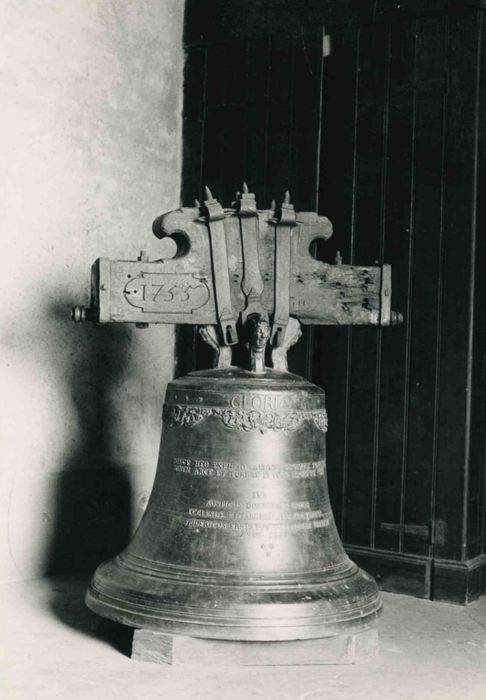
[{"x": 90, "y": 136}]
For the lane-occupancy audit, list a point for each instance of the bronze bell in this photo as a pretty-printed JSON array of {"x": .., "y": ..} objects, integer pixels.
[{"x": 238, "y": 540}]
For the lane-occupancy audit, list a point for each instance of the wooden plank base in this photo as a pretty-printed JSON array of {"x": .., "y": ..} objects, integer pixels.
[{"x": 163, "y": 648}]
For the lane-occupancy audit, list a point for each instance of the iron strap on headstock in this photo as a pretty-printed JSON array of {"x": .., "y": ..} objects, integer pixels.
[
  {"x": 284, "y": 223},
  {"x": 252, "y": 282},
  {"x": 219, "y": 258}
]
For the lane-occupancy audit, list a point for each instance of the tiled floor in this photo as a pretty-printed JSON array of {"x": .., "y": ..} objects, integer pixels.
[{"x": 53, "y": 647}]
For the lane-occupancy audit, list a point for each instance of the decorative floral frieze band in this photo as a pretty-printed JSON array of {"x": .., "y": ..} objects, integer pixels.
[{"x": 177, "y": 415}]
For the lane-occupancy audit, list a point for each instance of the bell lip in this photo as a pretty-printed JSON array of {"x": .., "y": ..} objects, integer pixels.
[
  {"x": 261, "y": 629},
  {"x": 304, "y": 611}
]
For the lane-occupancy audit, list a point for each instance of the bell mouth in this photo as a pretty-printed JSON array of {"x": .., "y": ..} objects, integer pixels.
[{"x": 184, "y": 604}]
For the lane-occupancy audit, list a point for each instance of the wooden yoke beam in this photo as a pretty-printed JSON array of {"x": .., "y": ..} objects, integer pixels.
[{"x": 180, "y": 287}]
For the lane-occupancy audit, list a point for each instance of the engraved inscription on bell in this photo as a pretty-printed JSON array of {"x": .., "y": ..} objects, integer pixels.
[
  {"x": 257, "y": 513},
  {"x": 242, "y": 470}
]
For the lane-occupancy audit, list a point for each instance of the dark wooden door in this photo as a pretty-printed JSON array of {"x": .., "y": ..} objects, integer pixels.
[
  {"x": 386, "y": 136},
  {"x": 403, "y": 127}
]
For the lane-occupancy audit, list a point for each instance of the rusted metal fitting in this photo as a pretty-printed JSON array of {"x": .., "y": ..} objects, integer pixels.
[
  {"x": 396, "y": 318},
  {"x": 81, "y": 314}
]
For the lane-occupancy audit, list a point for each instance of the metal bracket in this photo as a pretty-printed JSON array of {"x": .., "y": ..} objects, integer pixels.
[
  {"x": 434, "y": 531},
  {"x": 219, "y": 255},
  {"x": 385, "y": 295}
]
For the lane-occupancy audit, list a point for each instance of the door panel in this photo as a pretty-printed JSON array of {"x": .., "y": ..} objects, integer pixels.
[{"x": 386, "y": 136}]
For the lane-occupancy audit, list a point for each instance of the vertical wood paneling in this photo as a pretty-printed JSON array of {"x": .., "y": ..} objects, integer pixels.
[
  {"x": 193, "y": 125},
  {"x": 402, "y": 176},
  {"x": 410, "y": 434},
  {"x": 469, "y": 465},
  {"x": 383, "y": 223},
  {"x": 193, "y": 136},
  {"x": 235, "y": 126},
  {"x": 260, "y": 118},
  {"x": 479, "y": 399},
  {"x": 306, "y": 82},
  {"x": 280, "y": 118},
  {"x": 261, "y": 125},
  {"x": 454, "y": 394},
  {"x": 440, "y": 281},
  {"x": 425, "y": 280},
  {"x": 365, "y": 341},
  {"x": 226, "y": 129},
  {"x": 336, "y": 200},
  {"x": 391, "y": 440},
  {"x": 476, "y": 505},
  {"x": 293, "y": 139},
  {"x": 258, "y": 79}
]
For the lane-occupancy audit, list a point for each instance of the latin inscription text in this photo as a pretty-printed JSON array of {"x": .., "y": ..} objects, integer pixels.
[{"x": 238, "y": 470}]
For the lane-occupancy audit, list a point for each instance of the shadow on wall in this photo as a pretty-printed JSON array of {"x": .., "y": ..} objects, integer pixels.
[{"x": 91, "y": 502}]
